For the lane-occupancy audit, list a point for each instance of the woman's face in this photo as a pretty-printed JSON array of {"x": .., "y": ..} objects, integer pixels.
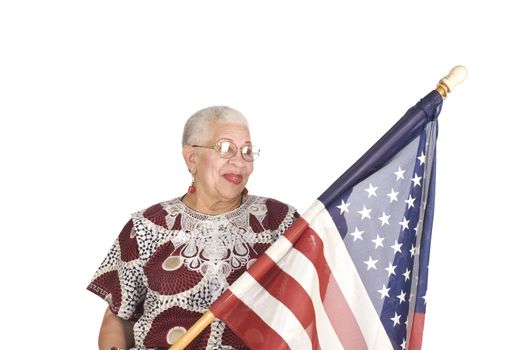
[{"x": 217, "y": 178}]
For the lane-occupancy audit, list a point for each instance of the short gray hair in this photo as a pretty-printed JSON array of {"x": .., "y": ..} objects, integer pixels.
[{"x": 197, "y": 125}]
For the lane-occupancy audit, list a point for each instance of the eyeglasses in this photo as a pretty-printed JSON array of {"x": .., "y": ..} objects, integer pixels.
[{"x": 228, "y": 149}]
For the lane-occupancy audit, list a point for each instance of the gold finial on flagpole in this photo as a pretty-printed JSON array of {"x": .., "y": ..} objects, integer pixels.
[{"x": 456, "y": 76}]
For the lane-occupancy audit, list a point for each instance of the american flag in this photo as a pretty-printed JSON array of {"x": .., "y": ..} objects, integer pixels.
[{"x": 351, "y": 272}]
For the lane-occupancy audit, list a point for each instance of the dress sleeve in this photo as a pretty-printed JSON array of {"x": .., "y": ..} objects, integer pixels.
[{"x": 119, "y": 279}]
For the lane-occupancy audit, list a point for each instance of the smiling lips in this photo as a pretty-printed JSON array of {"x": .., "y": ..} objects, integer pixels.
[{"x": 233, "y": 178}]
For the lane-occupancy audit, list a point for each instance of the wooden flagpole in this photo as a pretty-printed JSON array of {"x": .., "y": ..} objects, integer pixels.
[
  {"x": 456, "y": 76},
  {"x": 181, "y": 343}
]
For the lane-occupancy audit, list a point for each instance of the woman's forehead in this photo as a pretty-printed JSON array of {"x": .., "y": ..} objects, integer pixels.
[{"x": 229, "y": 130}]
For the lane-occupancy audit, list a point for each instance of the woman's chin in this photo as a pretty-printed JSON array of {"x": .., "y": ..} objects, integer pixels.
[{"x": 231, "y": 194}]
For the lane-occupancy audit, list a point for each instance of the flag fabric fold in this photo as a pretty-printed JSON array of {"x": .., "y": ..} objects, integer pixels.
[{"x": 351, "y": 272}]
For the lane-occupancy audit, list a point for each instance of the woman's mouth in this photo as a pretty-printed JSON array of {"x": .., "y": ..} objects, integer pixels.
[{"x": 233, "y": 178}]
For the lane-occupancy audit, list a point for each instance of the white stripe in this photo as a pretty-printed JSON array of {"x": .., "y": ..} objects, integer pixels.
[
  {"x": 275, "y": 315},
  {"x": 242, "y": 285},
  {"x": 313, "y": 211},
  {"x": 302, "y": 270},
  {"x": 348, "y": 279},
  {"x": 279, "y": 248}
]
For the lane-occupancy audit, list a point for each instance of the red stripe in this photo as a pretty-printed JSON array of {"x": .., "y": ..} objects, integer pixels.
[
  {"x": 289, "y": 292},
  {"x": 339, "y": 312},
  {"x": 295, "y": 231},
  {"x": 248, "y": 325},
  {"x": 417, "y": 331}
]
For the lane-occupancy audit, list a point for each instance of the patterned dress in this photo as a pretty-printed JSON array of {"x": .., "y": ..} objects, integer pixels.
[{"x": 169, "y": 263}]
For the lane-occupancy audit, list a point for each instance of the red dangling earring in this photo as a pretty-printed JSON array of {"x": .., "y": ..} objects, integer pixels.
[
  {"x": 244, "y": 192},
  {"x": 191, "y": 188}
]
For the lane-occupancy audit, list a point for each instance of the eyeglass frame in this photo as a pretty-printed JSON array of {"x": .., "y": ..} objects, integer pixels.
[{"x": 215, "y": 147}]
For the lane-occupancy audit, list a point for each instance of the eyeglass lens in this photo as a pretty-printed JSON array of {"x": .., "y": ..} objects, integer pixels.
[{"x": 228, "y": 149}]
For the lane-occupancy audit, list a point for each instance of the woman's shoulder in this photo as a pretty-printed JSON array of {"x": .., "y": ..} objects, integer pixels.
[
  {"x": 161, "y": 214},
  {"x": 272, "y": 203},
  {"x": 273, "y": 214}
]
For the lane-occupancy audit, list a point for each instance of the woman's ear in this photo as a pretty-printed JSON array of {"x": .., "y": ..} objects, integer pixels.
[{"x": 190, "y": 157}]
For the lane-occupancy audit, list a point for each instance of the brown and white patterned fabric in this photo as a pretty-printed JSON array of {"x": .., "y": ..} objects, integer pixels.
[{"x": 169, "y": 263}]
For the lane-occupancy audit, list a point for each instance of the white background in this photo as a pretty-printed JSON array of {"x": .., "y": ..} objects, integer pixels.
[{"x": 93, "y": 97}]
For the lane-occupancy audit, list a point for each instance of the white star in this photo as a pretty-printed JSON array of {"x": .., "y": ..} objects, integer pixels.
[
  {"x": 405, "y": 224},
  {"x": 397, "y": 247},
  {"x": 378, "y": 242},
  {"x": 407, "y": 274},
  {"x": 425, "y": 299},
  {"x": 384, "y": 292},
  {"x": 410, "y": 202},
  {"x": 371, "y": 190},
  {"x": 384, "y": 219},
  {"x": 403, "y": 345},
  {"x": 390, "y": 270},
  {"x": 422, "y": 158},
  {"x": 416, "y": 180},
  {"x": 357, "y": 234},
  {"x": 396, "y": 319},
  {"x": 399, "y": 174},
  {"x": 401, "y": 296},
  {"x": 371, "y": 264},
  {"x": 393, "y": 196},
  {"x": 344, "y": 207},
  {"x": 412, "y": 250},
  {"x": 365, "y": 213}
]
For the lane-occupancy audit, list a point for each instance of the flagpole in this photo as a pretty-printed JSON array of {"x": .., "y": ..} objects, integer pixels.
[
  {"x": 205, "y": 320},
  {"x": 455, "y": 76}
]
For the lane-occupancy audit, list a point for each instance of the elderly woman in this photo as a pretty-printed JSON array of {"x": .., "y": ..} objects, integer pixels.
[{"x": 173, "y": 259}]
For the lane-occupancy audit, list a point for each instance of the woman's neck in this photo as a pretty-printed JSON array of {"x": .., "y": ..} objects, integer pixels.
[{"x": 211, "y": 207}]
